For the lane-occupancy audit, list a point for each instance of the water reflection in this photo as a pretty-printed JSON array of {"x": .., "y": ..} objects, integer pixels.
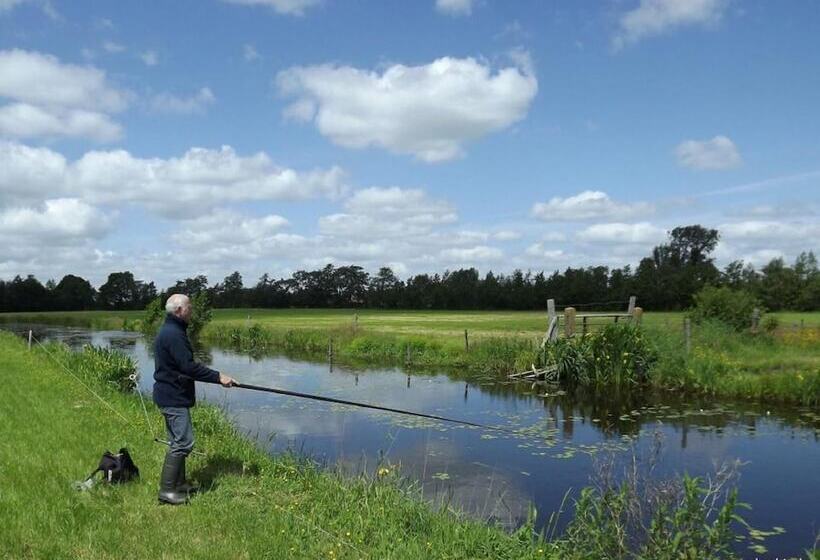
[{"x": 496, "y": 476}]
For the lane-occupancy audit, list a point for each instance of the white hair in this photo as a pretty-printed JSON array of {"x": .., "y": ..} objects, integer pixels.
[{"x": 175, "y": 302}]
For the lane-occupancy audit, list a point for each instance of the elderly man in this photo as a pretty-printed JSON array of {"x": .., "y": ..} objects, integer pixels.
[{"x": 174, "y": 375}]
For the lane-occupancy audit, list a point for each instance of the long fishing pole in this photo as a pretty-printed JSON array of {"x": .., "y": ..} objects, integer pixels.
[{"x": 367, "y": 405}]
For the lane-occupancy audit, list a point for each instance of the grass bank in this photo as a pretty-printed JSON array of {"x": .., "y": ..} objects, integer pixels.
[{"x": 257, "y": 506}]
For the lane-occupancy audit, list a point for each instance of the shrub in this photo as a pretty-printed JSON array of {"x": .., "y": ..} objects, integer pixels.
[{"x": 733, "y": 307}]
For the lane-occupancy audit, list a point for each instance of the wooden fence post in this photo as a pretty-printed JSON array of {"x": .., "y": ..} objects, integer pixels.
[
  {"x": 755, "y": 319},
  {"x": 637, "y": 315},
  {"x": 466, "y": 341},
  {"x": 687, "y": 329},
  {"x": 569, "y": 320},
  {"x": 29, "y": 339},
  {"x": 631, "y": 308},
  {"x": 330, "y": 349},
  {"x": 584, "y": 325},
  {"x": 407, "y": 354}
]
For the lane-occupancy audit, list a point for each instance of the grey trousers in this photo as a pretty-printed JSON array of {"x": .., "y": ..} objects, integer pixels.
[{"x": 180, "y": 430}]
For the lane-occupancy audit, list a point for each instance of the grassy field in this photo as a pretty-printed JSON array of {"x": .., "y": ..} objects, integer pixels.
[
  {"x": 253, "y": 505},
  {"x": 443, "y": 323},
  {"x": 783, "y": 367}
]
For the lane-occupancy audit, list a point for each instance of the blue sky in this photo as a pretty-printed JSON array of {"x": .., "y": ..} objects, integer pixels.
[{"x": 174, "y": 139}]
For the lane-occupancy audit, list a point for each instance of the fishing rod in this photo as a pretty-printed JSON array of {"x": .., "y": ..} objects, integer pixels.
[{"x": 367, "y": 405}]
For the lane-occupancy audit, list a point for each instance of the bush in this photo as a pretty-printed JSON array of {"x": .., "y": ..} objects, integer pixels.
[
  {"x": 201, "y": 316},
  {"x": 733, "y": 307}
]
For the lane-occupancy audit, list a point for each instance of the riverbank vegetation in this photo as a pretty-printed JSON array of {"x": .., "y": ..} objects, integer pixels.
[{"x": 256, "y": 506}]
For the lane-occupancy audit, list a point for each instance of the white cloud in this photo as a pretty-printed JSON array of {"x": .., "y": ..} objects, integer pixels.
[
  {"x": 289, "y": 7},
  {"x": 588, "y": 205},
  {"x": 149, "y": 58},
  {"x": 718, "y": 153},
  {"x": 249, "y": 52},
  {"x": 771, "y": 231},
  {"x": 200, "y": 179},
  {"x": 21, "y": 120},
  {"x": 616, "y": 232},
  {"x": 196, "y": 103},
  {"x": 455, "y": 7},
  {"x": 477, "y": 254},
  {"x": 59, "y": 221},
  {"x": 540, "y": 251},
  {"x": 112, "y": 47},
  {"x": 506, "y": 235},
  {"x": 429, "y": 111},
  {"x": 654, "y": 17},
  {"x": 51, "y": 99}
]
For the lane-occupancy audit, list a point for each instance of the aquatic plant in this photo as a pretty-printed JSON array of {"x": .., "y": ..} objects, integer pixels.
[{"x": 617, "y": 354}]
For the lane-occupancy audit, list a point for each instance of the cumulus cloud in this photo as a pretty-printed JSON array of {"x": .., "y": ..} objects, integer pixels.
[
  {"x": 472, "y": 255},
  {"x": 50, "y": 99},
  {"x": 225, "y": 235},
  {"x": 429, "y": 111},
  {"x": 192, "y": 104},
  {"x": 617, "y": 232},
  {"x": 388, "y": 212},
  {"x": 718, "y": 153},
  {"x": 455, "y": 7},
  {"x": 200, "y": 179},
  {"x": 58, "y": 221},
  {"x": 21, "y": 120},
  {"x": 540, "y": 251},
  {"x": 654, "y": 17},
  {"x": 769, "y": 230},
  {"x": 588, "y": 205},
  {"x": 289, "y": 7}
]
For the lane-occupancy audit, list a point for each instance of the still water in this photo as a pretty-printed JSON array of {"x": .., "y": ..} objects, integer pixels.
[{"x": 497, "y": 476}]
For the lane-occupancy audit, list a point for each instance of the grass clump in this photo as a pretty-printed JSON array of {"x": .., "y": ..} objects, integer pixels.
[{"x": 617, "y": 354}]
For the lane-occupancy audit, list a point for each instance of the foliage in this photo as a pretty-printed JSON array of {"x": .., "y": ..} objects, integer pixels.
[
  {"x": 619, "y": 353},
  {"x": 153, "y": 315},
  {"x": 733, "y": 307},
  {"x": 98, "y": 365},
  {"x": 201, "y": 315}
]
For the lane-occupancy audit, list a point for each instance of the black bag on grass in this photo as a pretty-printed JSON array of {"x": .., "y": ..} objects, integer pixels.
[{"x": 115, "y": 468}]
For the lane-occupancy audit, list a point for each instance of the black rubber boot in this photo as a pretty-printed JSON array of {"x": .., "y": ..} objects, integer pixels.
[
  {"x": 168, "y": 491},
  {"x": 182, "y": 484}
]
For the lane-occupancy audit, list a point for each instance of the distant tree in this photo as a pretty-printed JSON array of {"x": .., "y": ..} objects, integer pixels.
[
  {"x": 120, "y": 291},
  {"x": 230, "y": 292},
  {"x": 74, "y": 293},
  {"x": 384, "y": 290}
]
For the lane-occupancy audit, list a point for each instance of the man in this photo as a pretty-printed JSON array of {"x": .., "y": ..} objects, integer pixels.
[{"x": 174, "y": 374}]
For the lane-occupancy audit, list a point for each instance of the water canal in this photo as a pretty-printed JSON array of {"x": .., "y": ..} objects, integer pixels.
[{"x": 497, "y": 476}]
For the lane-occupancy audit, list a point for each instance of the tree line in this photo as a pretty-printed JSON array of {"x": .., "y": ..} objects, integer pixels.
[{"x": 665, "y": 280}]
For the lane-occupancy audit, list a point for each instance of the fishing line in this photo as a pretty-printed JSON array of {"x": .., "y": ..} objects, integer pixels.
[{"x": 370, "y": 406}]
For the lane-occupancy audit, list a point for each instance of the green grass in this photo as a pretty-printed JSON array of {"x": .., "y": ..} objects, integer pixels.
[
  {"x": 257, "y": 506},
  {"x": 781, "y": 368}
]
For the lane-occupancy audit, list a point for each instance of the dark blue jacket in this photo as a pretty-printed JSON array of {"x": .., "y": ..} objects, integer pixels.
[{"x": 174, "y": 367}]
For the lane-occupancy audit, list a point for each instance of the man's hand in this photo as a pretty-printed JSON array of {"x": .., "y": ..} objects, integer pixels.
[{"x": 226, "y": 381}]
